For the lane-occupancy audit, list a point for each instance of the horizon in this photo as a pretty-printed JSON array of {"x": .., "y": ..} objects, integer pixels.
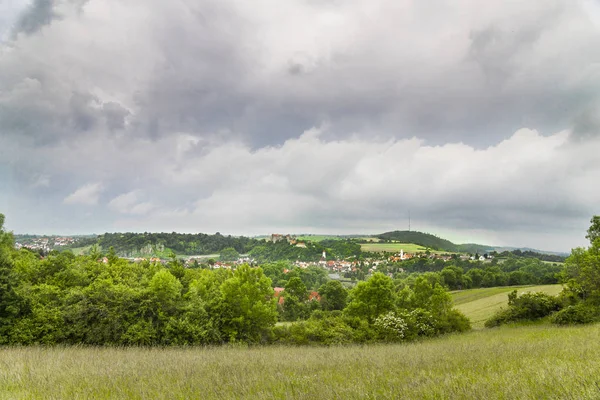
[
  {"x": 478, "y": 123},
  {"x": 297, "y": 234}
]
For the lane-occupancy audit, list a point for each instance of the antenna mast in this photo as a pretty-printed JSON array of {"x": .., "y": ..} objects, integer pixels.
[{"x": 409, "y": 220}]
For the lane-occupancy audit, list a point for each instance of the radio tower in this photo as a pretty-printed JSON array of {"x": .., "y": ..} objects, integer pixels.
[{"x": 409, "y": 220}]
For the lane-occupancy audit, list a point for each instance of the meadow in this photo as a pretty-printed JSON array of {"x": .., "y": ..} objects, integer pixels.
[
  {"x": 394, "y": 247},
  {"x": 525, "y": 362},
  {"x": 480, "y": 304}
]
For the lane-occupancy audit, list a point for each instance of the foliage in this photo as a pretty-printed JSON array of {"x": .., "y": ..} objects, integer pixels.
[
  {"x": 94, "y": 300},
  {"x": 593, "y": 231},
  {"x": 146, "y": 244},
  {"x": 333, "y": 296},
  {"x": 576, "y": 314},
  {"x": 527, "y": 307},
  {"x": 229, "y": 254},
  {"x": 249, "y": 305},
  {"x": 391, "y": 327},
  {"x": 420, "y": 238},
  {"x": 372, "y": 298}
]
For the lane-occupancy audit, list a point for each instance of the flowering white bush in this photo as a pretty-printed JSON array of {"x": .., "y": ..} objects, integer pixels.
[{"x": 391, "y": 327}]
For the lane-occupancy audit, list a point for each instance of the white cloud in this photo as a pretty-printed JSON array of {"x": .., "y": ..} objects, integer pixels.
[
  {"x": 128, "y": 203},
  {"x": 86, "y": 195}
]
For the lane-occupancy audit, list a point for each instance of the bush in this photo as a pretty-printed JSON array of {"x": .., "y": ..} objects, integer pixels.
[
  {"x": 391, "y": 327},
  {"x": 578, "y": 314},
  {"x": 528, "y": 307},
  {"x": 454, "y": 321}
]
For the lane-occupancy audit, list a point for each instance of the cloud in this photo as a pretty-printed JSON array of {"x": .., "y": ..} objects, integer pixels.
[
  {"x": 452, "y": 71},
  {"x": 128, "y": 203},
  {"x": 312, "y": 115},
  {"x": 39, "y": 14},
  {"x": 87, "y": 195}
]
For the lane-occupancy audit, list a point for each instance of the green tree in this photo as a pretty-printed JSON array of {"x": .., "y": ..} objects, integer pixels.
[
  {"x": 593, "y": 231},
  {"x": 12, "y": 305},
  {"x": 296, "y": 288},
  {"x": 229, "y": 254},
  {"x": 583, "y": 267},
  {"x": 249, "y": 309},
  {"x": 333, "y": 295},
  {"x": 371, "y": 298}
]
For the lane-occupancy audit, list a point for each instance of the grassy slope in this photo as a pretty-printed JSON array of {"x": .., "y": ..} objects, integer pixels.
[
  {"x": 395, "y": 247},
  {"x": 481, "y": 304},
  {"x": 529, "y": 362}
]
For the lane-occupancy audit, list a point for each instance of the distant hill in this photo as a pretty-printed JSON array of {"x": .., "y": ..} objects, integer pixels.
[
  {"x": 434, "y": 242},
  {"x": 500, "y": 249}
]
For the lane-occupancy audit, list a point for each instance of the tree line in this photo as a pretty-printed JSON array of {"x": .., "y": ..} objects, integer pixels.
[
  {"x": 68, "y": 299},
  {"x": 579, "y": 301}
]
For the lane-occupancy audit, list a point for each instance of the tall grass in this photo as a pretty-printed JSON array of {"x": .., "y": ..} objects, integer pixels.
[{"x": 532, "y": 362}]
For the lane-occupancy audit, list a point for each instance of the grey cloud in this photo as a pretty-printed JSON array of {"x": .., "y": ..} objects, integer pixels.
[
  {"x": 587, "y": 123},
  {"x": 115, "y": 115},
  {"x": 217, "y": 70},
  {"x": 211, "y": 99},
  {"x": 38, "y": 15}
]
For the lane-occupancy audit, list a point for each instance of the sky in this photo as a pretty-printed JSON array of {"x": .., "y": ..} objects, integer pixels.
[{"x": 480, "y": 119}]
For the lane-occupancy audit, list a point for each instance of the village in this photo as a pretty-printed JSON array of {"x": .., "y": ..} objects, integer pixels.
[{"x": 45, "y": 243}]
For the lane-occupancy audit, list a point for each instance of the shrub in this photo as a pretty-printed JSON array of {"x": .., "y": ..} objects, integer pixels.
[
  {"x": 528, "y": 307},
  {"x": 578, "y": 314},
  {"x": 454, "y": 321},
  {"x": 391, "y": 327}
]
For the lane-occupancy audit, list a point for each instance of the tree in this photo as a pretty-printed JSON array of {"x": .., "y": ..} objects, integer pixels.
[
  {"x": 229, "y": 254},
  {"x": 296, "y": 288},
  {"x": 333, "y": 296},
  {"x": 372, "y": 298},
  {"x": 12, "y": 305},
  {"x": 249, "y": 308},
  {"x": 593, "y": 231}
]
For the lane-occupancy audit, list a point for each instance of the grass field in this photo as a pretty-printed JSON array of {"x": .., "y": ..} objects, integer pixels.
[
  {"x": 481, "y": 304},
  {"x": 318, "y": 238},
  {"x": 394, "y": 247},
  {"x": 528, "y": 362}
]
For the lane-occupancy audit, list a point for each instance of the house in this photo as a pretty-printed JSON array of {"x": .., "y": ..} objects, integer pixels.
[{"x": 314, "y": 296}]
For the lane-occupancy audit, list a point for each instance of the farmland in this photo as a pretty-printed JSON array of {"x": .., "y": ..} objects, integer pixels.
[
  {"x": 527, "y": 362},
  {"x": 480, "y": 304},
  {"x": 394, "y": 247}
]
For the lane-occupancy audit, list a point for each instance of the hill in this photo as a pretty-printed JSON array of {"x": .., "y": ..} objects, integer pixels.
[
  {"x": 480, "y": 304},
  {"x": 433, "y": 242}
]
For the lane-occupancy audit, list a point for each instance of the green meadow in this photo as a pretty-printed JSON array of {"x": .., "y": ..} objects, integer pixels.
[
  {"x": 526, "y": 362},
  {"x": 394, "y": 247},
  {"x": 480, "y": 304}
]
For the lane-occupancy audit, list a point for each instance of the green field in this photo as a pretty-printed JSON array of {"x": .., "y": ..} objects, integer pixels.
[
  {"x": 318, "y": 238},
  {"x": 395, "y": 247},
  {"x": 528, "y": 362},
  {"x": 78, "y": 251},
  {"x": 481, "y": 304}
]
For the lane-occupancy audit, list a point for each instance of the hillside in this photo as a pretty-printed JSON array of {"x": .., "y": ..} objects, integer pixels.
[
  {"x": 433, "y": 242},
  {"x": 530, "y": 362},
  {"x": 480, "y": 304}
]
